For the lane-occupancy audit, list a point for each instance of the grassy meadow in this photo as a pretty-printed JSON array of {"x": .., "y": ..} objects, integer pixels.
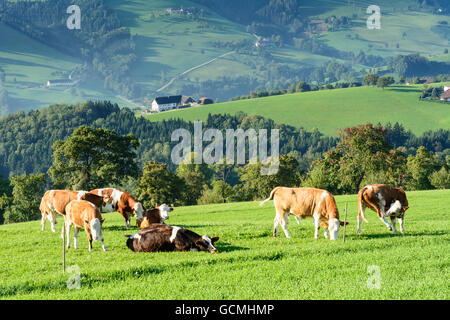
[
  {"x": 330, "y": 110},
  {"x": 251, "y": 263}
]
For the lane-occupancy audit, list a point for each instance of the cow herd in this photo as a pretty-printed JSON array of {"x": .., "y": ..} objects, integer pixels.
[{"x": 82, "y": 210}]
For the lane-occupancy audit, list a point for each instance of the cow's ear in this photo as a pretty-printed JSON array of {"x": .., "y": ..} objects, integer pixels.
[
  {"x": 171, "y": 209},
  {"x": 102, "y": 220},
  {"x": 215, "y": 239},
  {"x": 342, "y": 223},
  {"x": 197, "y": 243}
]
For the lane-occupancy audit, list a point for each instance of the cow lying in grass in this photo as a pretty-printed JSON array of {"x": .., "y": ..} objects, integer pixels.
[
  {"x": 386, "y": 201},
  {"x": 303, "y": 203},
  {"x": 161, "y": 237},
  {"x": 55, "y": 201},
  {"x": 157, "y": 215},
  {"x": 83, "y": 214}
]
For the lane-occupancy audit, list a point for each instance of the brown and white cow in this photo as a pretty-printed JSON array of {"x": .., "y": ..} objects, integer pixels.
[
  {"x": 156, "y": 215},
  {"x": 386, "y": 201},
  {"x": 161, "y": 237},
  {"x": 83, "y": 214},
  {"x": 303, "y": 203},
  {"x": 122, "y": 202},
  {"x": 55, "y": 201}
]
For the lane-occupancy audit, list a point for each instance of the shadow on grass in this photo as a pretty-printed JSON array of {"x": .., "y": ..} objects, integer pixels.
[
  {"x": 121, "y": 228},
  {"x": 227, "y": 247},
  {"x": 406, "y": 234}
]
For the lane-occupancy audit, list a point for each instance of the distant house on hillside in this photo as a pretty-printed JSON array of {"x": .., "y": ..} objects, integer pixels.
[
  {"x": 204, "y": 100},
  {"x": 60, "y": 83},
  {"x": 160, "y": 104},
  {"x": 264, "y": 42},
  {"x": 187, "y": 11},
  {"x": 445, "y": 96}
]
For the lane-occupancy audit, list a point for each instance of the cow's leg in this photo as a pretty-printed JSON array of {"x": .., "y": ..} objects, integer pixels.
[
  {"x": 393, "y": 224},
  {"x": 361, "y": 213},
  {"x": 284, "y": 224},
  {"x": 126, "y": 217},
  {"x": 43, "y": 220},
  {"x": 88, "y": 232},
  {"x": 316, "y": 225},
  {"x": 401, "y": 221},
  {"x": 103, "y": 245},
  {"x": 68, "y": 225},
  {"x": 276, "y": 222},
  {"x": 52, "y": 218},
  {"x": 386, "y": 223},
  {"x": 75, "y": 237},
  {"x": 325, "y": 233},
  {"x": 297, "y": 219}
]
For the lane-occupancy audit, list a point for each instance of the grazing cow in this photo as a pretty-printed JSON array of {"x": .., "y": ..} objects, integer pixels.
[
  {"x": 386, "y": 201},
  {"x": 161, "y": 237},
  {"x": 303, "y": 203},
  {"x": 83, "y": 214},
  {"x": 157, "y": 215},
  {"x": 122, "y": 202},
  {"x": 55, "y": 201}
]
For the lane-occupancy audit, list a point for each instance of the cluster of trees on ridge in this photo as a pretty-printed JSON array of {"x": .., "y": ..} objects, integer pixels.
[{"x": 96, "y": 144}]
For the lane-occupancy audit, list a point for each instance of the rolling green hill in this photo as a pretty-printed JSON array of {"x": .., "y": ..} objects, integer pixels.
[
  {"x": 28, "y": 65},
  {"x": 169, "y": 45},
  {"x": 330, "y": 110},
  {"x": 251, "y": 264}
]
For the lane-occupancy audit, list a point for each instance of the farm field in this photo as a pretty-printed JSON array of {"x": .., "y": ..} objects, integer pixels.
[
  {"x": 251, "y": 263},
  {"x": 330, "y": 110}
]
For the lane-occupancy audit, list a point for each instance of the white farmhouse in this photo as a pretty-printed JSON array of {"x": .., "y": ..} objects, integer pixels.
[{"x": 160, "y": 104}]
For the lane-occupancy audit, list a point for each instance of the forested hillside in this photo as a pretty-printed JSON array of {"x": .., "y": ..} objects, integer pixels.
[{"x": 26, "y": 139}]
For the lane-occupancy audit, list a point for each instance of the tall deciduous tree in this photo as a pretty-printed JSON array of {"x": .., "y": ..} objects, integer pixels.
[
  {"x": 260, "y": 186},
  {"x": 420, "y": 167},
  {"x": 26, "y": 196},
  {"x": 157, "y": 185},
  {"x": 362, "y": 153},
  {"x": 93, "y": 158}
]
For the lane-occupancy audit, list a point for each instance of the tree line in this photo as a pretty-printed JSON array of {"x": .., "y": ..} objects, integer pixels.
[{"x": 97, "y": 144}]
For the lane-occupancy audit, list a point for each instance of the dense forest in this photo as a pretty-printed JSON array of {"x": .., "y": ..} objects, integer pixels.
[{"x": 26, "y": 139}]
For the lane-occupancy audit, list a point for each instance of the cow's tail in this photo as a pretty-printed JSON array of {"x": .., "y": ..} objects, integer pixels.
[
  {"x": 360, "y": 205},
  {"x": 270, "y": 197}
]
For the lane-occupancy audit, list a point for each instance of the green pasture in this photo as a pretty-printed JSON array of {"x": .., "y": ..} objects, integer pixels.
[
  {"x": 330, "y": 110},
  {"x": 251, "y": 263}
]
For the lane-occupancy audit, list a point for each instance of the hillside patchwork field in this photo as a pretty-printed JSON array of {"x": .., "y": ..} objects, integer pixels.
[
  {"x": 251, "y": 263},
  {"x": 331, "y": 110},
  {"x": 168, "y": 45}
]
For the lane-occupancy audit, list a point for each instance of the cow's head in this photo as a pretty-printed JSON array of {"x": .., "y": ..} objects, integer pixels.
[
  {"x": 206, "y": 243},
  {"x": 107, "y": 201},
  {"x": 164, "y": 210},
  {"x": 333, "y": 226},
  {"x": 395, "y": 209},
  {"x": 138, "y": 211},
  {"x": 96, "y": 228}
]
